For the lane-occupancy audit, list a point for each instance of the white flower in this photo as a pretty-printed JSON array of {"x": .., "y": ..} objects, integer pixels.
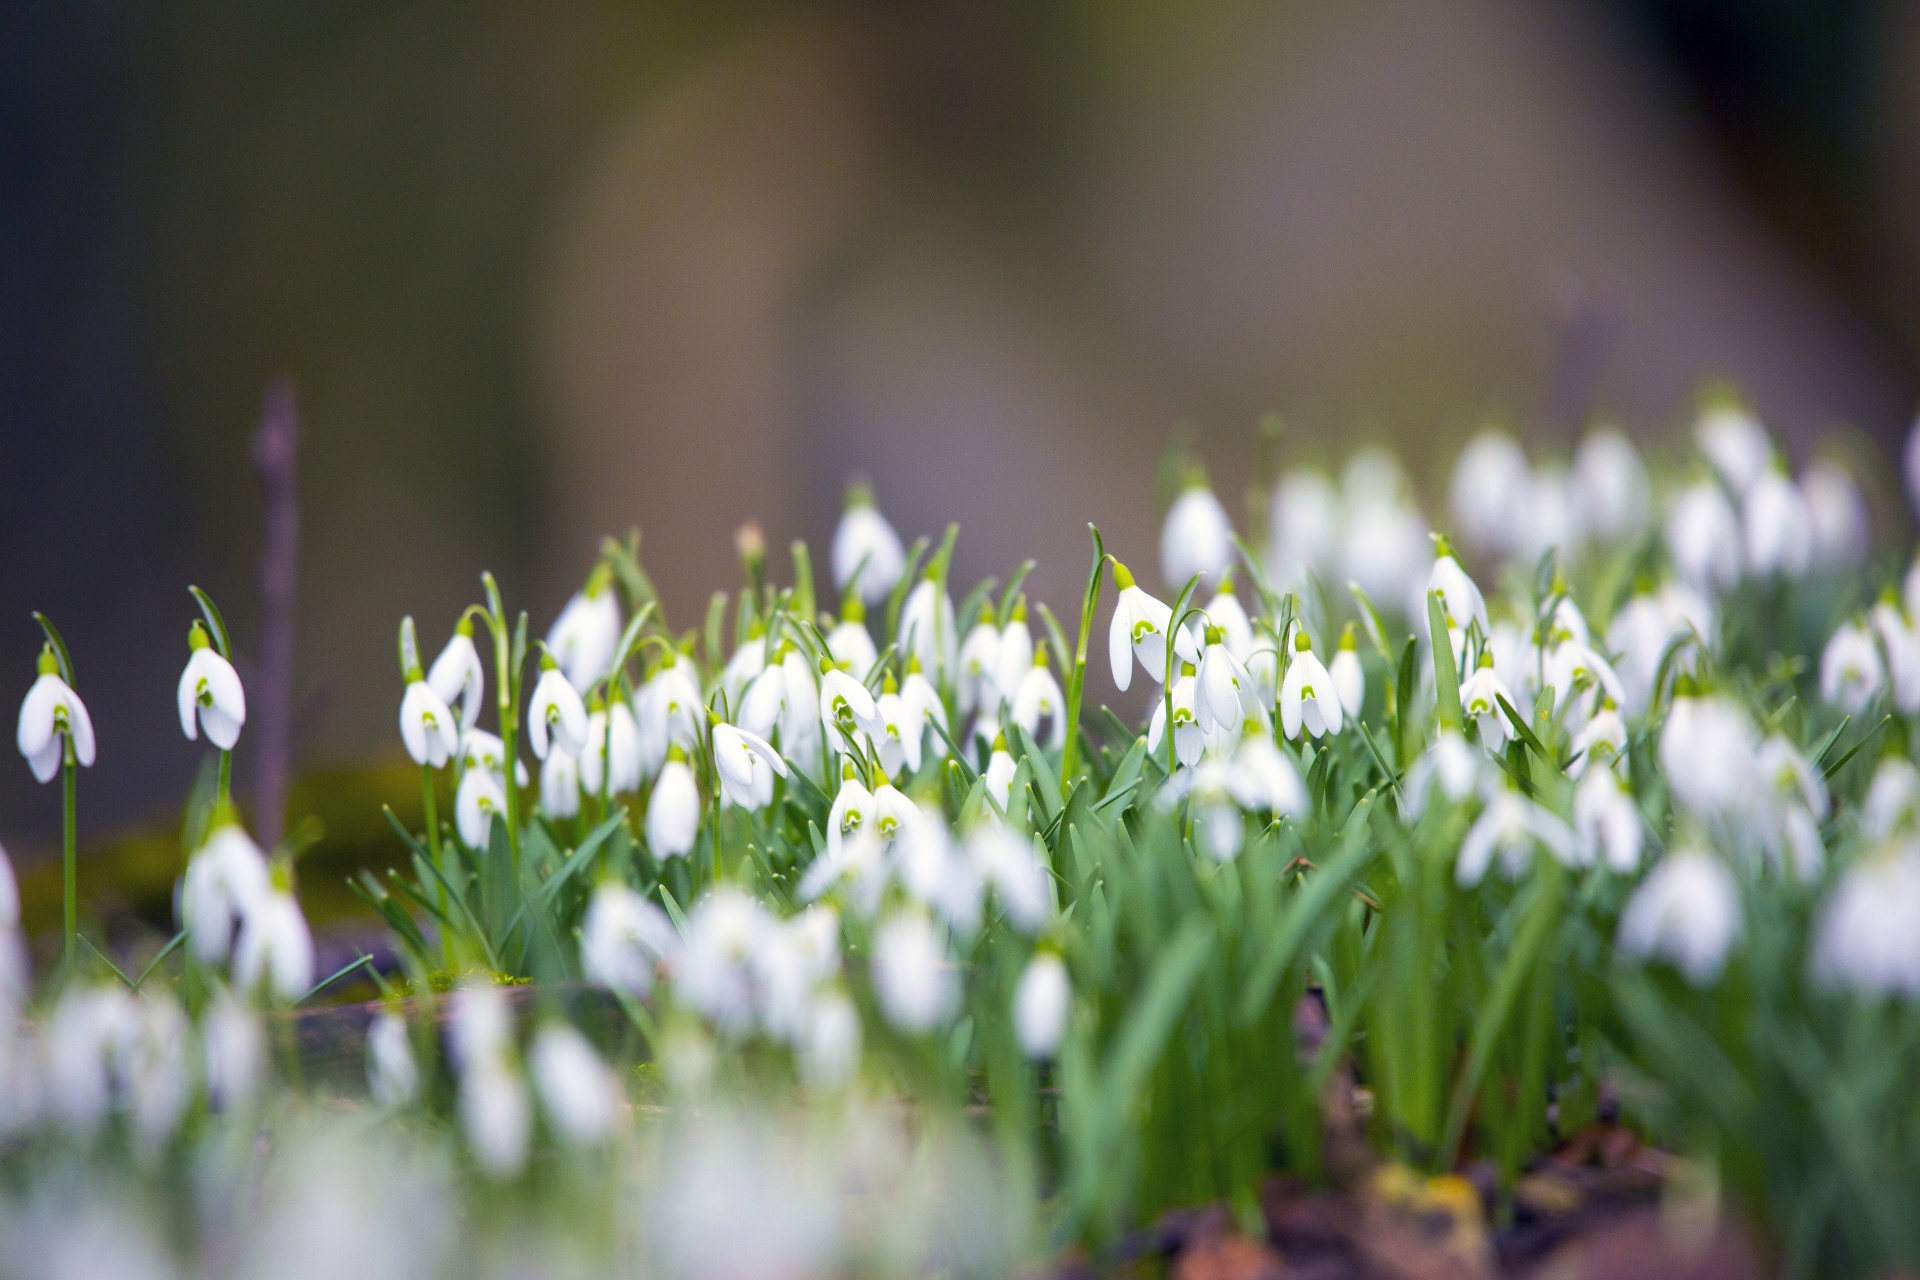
[
  {"x": 1892, "y": 801},
  {"x": 1798, "y": 800},
  {"x": 1549, "y": 516},
  {"x": 747, "y": 662},
  {"x": 1735, "y": 444},
  {"x": 556, "y": 714},
  {"x": 1837, "y": 515},
  {"x": 1479, "y": 699},
  {"x": 1139, "y": 633},
  {"x": 1863, "y": 937},
  {"x": 1686, "y": 911},
  {"x": 853, "y": 809},
  {"x": 483, "y": 750},
  {"x": 1223, "y": 690},
  {"x": 1460, "y": 600},
  {"x": 613, "y": 735},
  {"x": 1606, "y": 822},
  {"x": 223, "y": 882},
  {"x": 1703, "y": 537},
  {"x": 393, "y": 1078},
  {"x": 1509, "y": 828},
  {"x": 673, "y": 812},
  {"x": 1039, "y": 699},
  {"x": 785, "y": 697},
  {"x": 1902, "y": 646},
  {"x": 1189, "y": 736},
  {"x": 459, "y": 674},
  {"x": 480, "y": 799},
  {"x": 978, "y": 684},
  {"x": 1709, "y": 750},
  {"x": 1264, "y": 780},
  {"x": 1850, "y": 672},
  {"x": 1610, "y": 483},
  {"x": 916, "y": 983},
  {"x": 1452, "y": 764},
  {"x": 714, "y": 972},
  {"x": 1644, "y": 628},
  {"x": 851, "y": 646},
  {"x": 865, "y": 546},
  {"x": 1197, "y": 538},
  {"x": 901, "y": 732},
  {"x": 846, "y": 710},
  {"x": 831, "y": 1049},
  {"x": 999, "y": 774},
  {"x": 667, "y": 712},
  {"x": 1015, "y": 653},
  {"x": 746, "y": 763},
  {"x": 1307, "y": 696},
  {"x": 576, "y": 1089},
  {"x": 560, "y": 785},
  {"x": 583, "y": 638},
  {"x": 1581, "y": 680},
  {"x": 923, "y": 700},
  {"x": 1303, "y": 528},
  {"x": 623, "y": 938},
  {"x": 50, "y": 716},
  {"x": 210, "y": 695},
  {"x": 1041, "y": 1003},
  {"x": 1016, "y": 872},
  {"x": 1603, "y": 741},
  {"x": 1490, "y": 486},
  {"x": 154, "y": 1075},
  {"x": 275, "y": 951},
  {"x": 427, "y": 726},
  {"x": 1349, "y": 677},
  {"x": 1778, "y": 528},
  {"x": 791, "y": 961},
  {"x": 1516, "y": 661},
  {"x": 1384, "y": 549},
  {"x": 927, "y": 627},
  {"x": 934, "y": 873},
  {"x": 235, "y": 1050},
  {"x": 496, "y": 1115},
  {"x": 81, "y": 1040}
]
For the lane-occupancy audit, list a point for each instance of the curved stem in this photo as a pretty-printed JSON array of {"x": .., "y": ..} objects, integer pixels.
[
  {"x": 1076, "y": 680},
  {"x": 69, "y": 861}
]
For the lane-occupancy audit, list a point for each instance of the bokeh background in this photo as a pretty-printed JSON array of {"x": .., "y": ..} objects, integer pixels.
[{"x": 547, "y": 271}]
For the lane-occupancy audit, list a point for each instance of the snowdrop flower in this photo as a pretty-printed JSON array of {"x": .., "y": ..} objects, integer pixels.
[
  {"x": 1549, "y": 516},
  {"x": 1349, "y": 677},
  {"x": 483, "y": 750},
  {"x": 673, "y": 812},
  {"x": 893, "y": 813},
  {"x": 1606, "y": 822},
  {"x": 853, "y": 809},
  {"x": 935, "y": 874},
  {"x": 1642, "y": 630},
  {"x": 1307, "y": 696},
  {"x": 480, "y": 799},
  {"x": 1263, "y": 780},
  {"x": 1000, "y": 771},
  {"x": 867, "y": 556},
  {"x": 847, "y": 710},
  {"x": 927, "y": 626},
  {"x": 1902, "y": 647},
  {"x": 576, "y": 1089},
  {"x": 1509, "y": 828},
  {"x": 922, "y": 700},
  {"x": 583, "y": 638},
  {"x": 1850, "y": 672},
  {"x": 1224, "y": 689},
  {"x": 1603, "y": 741},
  {"x": 560, "y": 785},
  {"x": 1709, "y": 750},
  {"x": 1836, "y": 514},
  {"x": 458, "y": 675},
  {"x": 1491, "y": 482},
  {"x": 747, "y": 662},
  {"x": 1864, "y": 937},
  {"x": 1610, "y": 484},
  {"x": 831, "y": 1048},
  {"x": 223, "y": 882},
  {"x": 1735, "y": 444},
  {"x": 1139, "y": 633},
  {"x": 210, "y": 694},
  {"x": 978, "y": 685},
  {"x": 1222, "y": 828},
  {"x": 1790, "y": 823},
  {"x": 235, "y": 1052},
  {"x": 849, "y": 643},
  {"x": 1015, "y": 655},
  {"x": 1449, "y": 763},
  {"x": 1687, "y": 911},
  {"x": 1384, "y": 549},
  {"x": 667, "y": 711},
  {"x": 1014, "y": 869},
  {"x": 275, "y": 951},
  {"x": 902, "y": 730},
  {"x": 1515, "y": 660},
  {"x": 1039, "y": 699},
  {"x": 393, "y": 1078},
  {"x": 1189, "y": 736},
  {"x": 1460, "y": 600},
  {"x": 82, "y": 1036},
  {"x": 1041, "y": 1003},
  {"x": 427, "y": 726},
  {"x": 714, "y": 973},
  {"x": 746, "y": 764},
  {"x": 613, "y": 737},
  {"x": 773, "y": 701},
  {"x": 623, "y": 938},
  {"x": 1580, "y": 679},
  {"x": 1892, "y": 802},
  {"x": 1480, "y": 695},
  {"x": 794, "y": 958},
  {"x": 155, "y": 1079},
  {"x": 1197, "y": 537},
  {"x": 1303, "y": 528},
  {"x": 1778, "y": 528},
  {"x": 1703, "y": 537},
  {"x": 495, "y": 1112},
  {"x": 556, "y": 714},
  {"x": 916, "y": 983},
  {"x": 51, "y": 716}
]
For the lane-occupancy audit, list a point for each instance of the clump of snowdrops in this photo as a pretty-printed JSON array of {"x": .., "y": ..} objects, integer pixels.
[{"x": 855, "y": 938}]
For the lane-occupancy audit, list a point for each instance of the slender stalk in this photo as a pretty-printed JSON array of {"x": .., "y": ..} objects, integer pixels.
[
  {"x": 1076, "y": 681},
  {"x": 225, "y": 790},
  {"x": 430, "y": 810},
  {"x": 69, "y": 859}
]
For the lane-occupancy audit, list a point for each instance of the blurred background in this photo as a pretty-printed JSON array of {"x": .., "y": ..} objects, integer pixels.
[{"x": 546, "y": 271}]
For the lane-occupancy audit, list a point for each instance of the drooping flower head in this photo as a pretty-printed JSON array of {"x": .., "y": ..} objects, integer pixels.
[
  {"x": 52, "y": 717},
  {"x": 1138, "y": 633},
  {"x": 867, "y": 556},
  {"x": 210, "y": 694}
]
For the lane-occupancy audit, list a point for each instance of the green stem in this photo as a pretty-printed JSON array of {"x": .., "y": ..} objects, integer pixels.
[
  {"x": 430, "y": 810},
  {"x": 1077, "y": 680},
  {"x": 225, "y": 792},
  {"x": 69, "y": 860}
]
